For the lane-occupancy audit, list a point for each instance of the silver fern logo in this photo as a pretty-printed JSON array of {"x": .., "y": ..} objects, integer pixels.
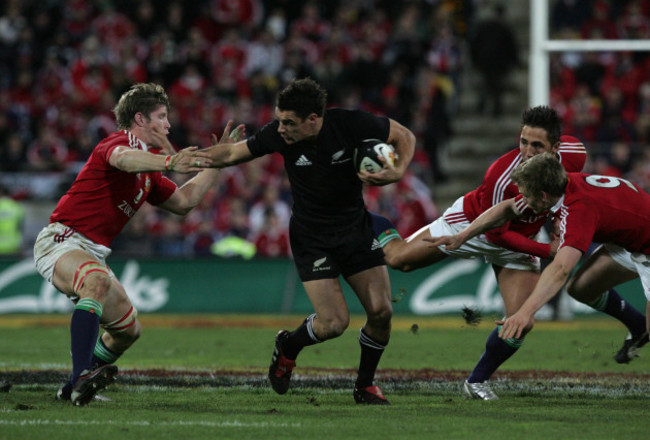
[{"x": 318, "y": 265}]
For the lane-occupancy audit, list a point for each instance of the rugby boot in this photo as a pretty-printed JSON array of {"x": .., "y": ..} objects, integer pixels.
[
  {"x": 630, "y": 349},
  {"x": 281, "y": 367},
  {"x": 479, "y": 390},
  {"x": 371, "y": 395},
  {"x": 91, "y": 382}
]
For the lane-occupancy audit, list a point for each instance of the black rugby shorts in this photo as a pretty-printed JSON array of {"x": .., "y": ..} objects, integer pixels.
[{"x": 322, "y": 255}]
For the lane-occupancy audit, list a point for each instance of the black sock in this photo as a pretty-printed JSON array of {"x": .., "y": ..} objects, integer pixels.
[
  {"x": 84, "y": 328},
  {"x": 615, "y": 306},
  {"x": 371, "y": 352},
  {"x": 497, "y": 351},
  {"x": 300, "y": 338}
]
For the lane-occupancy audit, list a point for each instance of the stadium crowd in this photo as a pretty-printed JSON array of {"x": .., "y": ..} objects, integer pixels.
[
  {"x": 64, "y": 63},
  {"x": 604, "y": 97}
]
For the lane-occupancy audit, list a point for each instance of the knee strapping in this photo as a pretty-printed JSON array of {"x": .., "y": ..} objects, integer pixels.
[
  {"x": 84, "y": 270},
  {"x": 122, "y": 324}
]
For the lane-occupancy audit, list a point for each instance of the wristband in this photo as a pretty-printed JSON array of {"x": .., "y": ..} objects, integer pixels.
[{"x": 168, "y": 161}]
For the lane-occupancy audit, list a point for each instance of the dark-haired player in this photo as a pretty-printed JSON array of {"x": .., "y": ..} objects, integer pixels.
[
  {"x": 330, "y": 229},
  {"x": 511, "y": 249}
]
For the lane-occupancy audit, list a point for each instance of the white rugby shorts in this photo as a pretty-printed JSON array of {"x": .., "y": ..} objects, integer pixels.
[
  {"x": 454, "y": 220},
  {"x": 56, "y": 239},
  {"x": 636, "y": 262}
]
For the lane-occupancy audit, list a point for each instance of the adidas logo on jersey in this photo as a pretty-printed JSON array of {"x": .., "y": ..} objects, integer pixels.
[
  {"x": 375, "y": 244},
  {"x": 303, "y": 161}
]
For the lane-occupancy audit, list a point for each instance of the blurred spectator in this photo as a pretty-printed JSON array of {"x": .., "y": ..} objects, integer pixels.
[
  {"x": 310, "y": 24},
  {"x": 643, "y": 121},
  {"x": 582, "y": 115},
  {"x": 257, "y": 216},
  {"x": 12, "y": 216},
  {"x": 135, "y": 239},
  {"x": 431, "y": 118},
  {"x": 175, "y": 21},
  {"x": 620, "y": 158},
  {"x": 272, "y": 239},
  {"x": 203, "y": 239},
  {"x": 640, "y": 172},
  {"x": 12, "y": 22},
  {"x": 237, "y": 14},
  {"x": 13, "y": 155},
  {"x": 77, "y": 18},
  {"x": 445, "y": 58},
  {"x": 47, "y": 152},
  {"x": 634, "y": 23},
  {"x": 600, "y": 25},
  {"x": 570, "y": 14},
  {"x": 264, "y": 54},
  {"x": 590, "y": 72},
  {"x": 614, "y": 125},
  {"x": 234, "y": 221},
  {"x": 276, "y": 23},
  {"x": 145, "y": 18},
  {"x": 171, "y": 242},
  {"x": 494, "y": 54}
]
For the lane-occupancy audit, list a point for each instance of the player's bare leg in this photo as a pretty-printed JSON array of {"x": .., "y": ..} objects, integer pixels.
[
  {"x": 78, "y": 274},
  {"x": 330, "y": 320},
  {"x": 405, "y": 254},
  {"x": 372, "y": 287},
  {"x": 121, "y": 326}
]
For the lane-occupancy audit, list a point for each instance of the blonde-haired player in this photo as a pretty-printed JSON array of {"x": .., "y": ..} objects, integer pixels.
[{"x": 123, "y": 171}]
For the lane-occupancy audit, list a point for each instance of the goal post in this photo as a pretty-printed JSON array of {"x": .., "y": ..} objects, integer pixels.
[{"x": 541, "y": 46}]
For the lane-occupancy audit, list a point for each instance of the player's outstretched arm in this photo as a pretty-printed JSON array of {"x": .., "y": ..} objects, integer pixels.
[
  {"x": 517, "y": 242},
  {"x": 232, "y": 152},
  {"x": 188, "y": 196},
  {"x": 189, "y": 160},
  {"x": 548, "y": 285},
  {"x": 496, "y": 216}
]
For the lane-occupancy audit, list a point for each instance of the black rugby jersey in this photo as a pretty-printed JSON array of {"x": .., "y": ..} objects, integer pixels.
[{"x": 324, "y": 184}]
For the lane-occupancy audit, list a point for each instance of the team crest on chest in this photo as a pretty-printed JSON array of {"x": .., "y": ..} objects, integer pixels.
[{"x": 338, "y": 157}]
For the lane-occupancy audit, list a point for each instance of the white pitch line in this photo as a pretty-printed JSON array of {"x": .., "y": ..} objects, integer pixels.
[{"x": 229, "y": 424}]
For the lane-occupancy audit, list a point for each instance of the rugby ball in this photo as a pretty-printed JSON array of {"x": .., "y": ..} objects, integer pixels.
[{"x": 366, "y": 155}]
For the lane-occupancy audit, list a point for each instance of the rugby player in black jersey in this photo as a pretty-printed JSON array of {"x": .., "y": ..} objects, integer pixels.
[{"x": 330, "y": 230}]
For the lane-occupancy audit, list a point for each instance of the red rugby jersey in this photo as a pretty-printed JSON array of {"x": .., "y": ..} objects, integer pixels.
[
  {"x": 497, "y": 186},
  {"x": 604, "y": 209},
  {"x": 102, "y": 198}
]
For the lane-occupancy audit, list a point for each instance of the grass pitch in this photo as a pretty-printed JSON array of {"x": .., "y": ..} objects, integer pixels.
[{"x": 198, "y": 377}]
